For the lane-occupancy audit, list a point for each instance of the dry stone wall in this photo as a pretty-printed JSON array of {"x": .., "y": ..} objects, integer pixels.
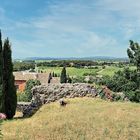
[{"x": 53, "y": 92}]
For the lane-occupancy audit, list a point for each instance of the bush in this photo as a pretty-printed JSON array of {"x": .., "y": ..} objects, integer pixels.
[
  {"x": 29, "y": 85},
  {"x": 22, "y": 97},
  {"x": 133, "y": 96},
  {"x": 78, "y": 79},
  {"x": 89, "y": 74},
  {"x": 118, "y": 97}
]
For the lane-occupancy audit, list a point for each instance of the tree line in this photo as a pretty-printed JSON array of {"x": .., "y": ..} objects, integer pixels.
[
  {"x": 8, "y": 98},
  {"x": 80, "y": 63}
]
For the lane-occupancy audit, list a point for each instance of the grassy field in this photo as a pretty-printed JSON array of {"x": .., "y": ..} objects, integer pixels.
[
  {"x": 81, "y": 119},
  {"x": 110, "y": 70},
  {"x": 70, "y": 70}
]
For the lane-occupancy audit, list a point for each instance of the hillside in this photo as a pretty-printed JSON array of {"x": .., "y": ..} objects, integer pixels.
[{"x": 81, "y": 119}]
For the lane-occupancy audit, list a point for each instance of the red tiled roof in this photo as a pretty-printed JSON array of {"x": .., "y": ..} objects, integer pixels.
[{"x": 42, "y": 77}]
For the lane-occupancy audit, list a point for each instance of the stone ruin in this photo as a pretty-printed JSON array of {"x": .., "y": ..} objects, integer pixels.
[{"x": 54, "y": 92}]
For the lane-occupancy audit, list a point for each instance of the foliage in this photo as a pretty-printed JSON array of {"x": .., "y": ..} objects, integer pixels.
[
  {"x": 118, "y": 97},
  {"x": 68, "y": 63},
  {"x": 78, "y": 79},
  {"x": 50, "y": 77},
  {"x": 29, "y": 85},
  {"x": 134, "y": 54},
  {"x": 127, "y": 81},
  {"x": 63, "y": 77},
  {"x": 69, "y": 79},
  {"x": 22, "y": 97},
  {"x": 89, "y": 74},
  {"x": 9, "y": 89},
  {"x": 81, "y": 63},
  {"x": 25, "y": 65},
  {"x": 133, "y": 95}
]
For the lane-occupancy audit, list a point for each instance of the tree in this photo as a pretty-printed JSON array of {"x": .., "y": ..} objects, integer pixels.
[
  {"x": 9, "y": 89},
  {"x": 69, "y": 80},
  {"x": 49, "y": 78},
  {"x": 63, "y": 77},
  {"x": 29, "y": 85},
  {"x": 1, "y": 77},
  {"x": 53, "y": 74},
  {"x": 134, "y": 54}
]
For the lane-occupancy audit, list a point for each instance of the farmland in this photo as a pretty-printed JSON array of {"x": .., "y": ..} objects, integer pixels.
[{"x": 72, "y": 71}]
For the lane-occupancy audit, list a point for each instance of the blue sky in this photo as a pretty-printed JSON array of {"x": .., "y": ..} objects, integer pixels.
[{"x": 70, "y": 28}]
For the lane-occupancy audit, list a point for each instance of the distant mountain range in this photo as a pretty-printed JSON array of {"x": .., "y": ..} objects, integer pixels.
[{"x": 78, "y": 58}]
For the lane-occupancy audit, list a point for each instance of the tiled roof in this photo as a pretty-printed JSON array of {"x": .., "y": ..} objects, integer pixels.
[{"x": 42, "y": 77}]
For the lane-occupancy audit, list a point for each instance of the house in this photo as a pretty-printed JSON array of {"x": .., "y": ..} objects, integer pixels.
[{"x": 22, "y": 77}]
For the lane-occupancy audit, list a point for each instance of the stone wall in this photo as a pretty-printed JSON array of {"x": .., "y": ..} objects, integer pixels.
[{"x": 53, "y": 92}]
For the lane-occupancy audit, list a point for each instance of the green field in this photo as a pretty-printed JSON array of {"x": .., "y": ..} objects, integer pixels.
[
  {"x": 110, "y": 70},
  {"x": 70, "y": 70},
  {"x": 81, "y": 119}
]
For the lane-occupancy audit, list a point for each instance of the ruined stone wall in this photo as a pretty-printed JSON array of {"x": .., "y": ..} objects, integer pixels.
[{"x": 53, "y": 92}]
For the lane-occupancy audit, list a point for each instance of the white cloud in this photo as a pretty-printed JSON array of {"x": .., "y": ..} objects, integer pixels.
[{"x": 96, "y": 26}]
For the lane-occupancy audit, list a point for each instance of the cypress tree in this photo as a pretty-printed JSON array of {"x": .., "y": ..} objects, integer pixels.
[
  {"x": 1, "y": 75},
  {"x": 9, "y": 88},
  {"x": 63, "y": 77},
  {"x": 49, "y": 78}
]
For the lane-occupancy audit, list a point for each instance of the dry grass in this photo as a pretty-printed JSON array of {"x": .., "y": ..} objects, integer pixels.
[{"x": 81, "y": 119}]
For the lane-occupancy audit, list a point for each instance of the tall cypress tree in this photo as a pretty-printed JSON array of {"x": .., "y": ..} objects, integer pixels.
[
  {"x": 9, "y": 88},
  {"x": 1, "y": 75},
  {"x": 63, "y": 77}
]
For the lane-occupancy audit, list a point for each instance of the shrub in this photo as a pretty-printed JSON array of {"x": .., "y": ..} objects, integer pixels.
[
  {"x": 118, "y": 97},
  {"x": 78, "y": 79},
  {"x": 133, "y": 96},
  {"x": 29, "y": 85},
  {"x": 22, "y": 97}
]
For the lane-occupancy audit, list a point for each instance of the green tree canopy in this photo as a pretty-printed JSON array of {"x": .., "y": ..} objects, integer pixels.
[{"x": 134, "y": 53}]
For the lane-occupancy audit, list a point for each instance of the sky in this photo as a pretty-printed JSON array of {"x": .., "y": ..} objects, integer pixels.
[{"x": 70, "y": 28}]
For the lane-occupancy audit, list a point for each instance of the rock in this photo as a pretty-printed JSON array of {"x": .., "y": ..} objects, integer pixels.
[{"x": 62, "y": 102}]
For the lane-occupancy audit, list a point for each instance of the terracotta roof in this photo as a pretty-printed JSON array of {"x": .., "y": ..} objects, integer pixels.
[{"x": 42, "y": 77}]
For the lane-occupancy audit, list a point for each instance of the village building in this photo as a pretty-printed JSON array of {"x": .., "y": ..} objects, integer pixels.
[{"x": 22, "y": 77}]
